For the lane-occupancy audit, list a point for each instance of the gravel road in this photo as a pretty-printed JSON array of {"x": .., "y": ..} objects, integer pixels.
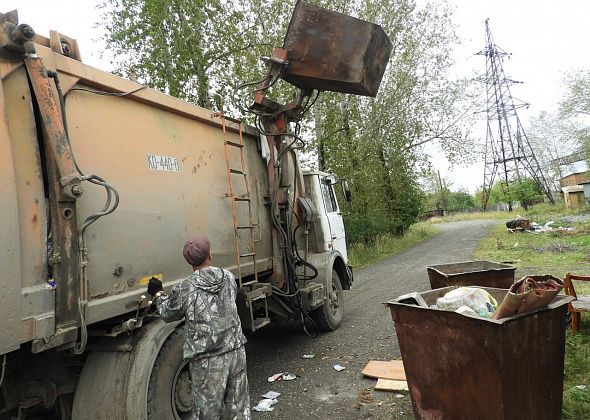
[{"x": 367, "y": 333}]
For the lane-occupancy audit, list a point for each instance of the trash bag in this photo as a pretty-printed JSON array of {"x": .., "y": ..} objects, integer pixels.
[
  {"x": 527, "y": 294},
  {"x": 474, "y": 298}
]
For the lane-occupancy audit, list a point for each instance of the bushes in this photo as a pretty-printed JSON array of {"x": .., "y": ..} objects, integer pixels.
[{"x": 364, "y": 229}]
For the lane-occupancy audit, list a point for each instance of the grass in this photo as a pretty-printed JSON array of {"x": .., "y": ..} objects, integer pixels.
[
  {"x": 576, "y": 399},
  {"x": 360, "y": 255},
  {"x": 553, "y": 253},
  {"x": 543, "y": 253},
  {"x": 546, "y": 211}
]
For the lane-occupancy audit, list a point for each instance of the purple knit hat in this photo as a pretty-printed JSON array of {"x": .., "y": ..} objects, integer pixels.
[{"x": 196, "y": 250}]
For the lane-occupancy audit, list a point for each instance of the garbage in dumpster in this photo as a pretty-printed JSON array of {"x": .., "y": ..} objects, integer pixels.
[
  {"x": 466, "y": 310},
  {"x": 476, "y": 299},
  {"x": 527, "y": 294},
  {"x": 265, "y": 405},
  {"x": 413, "y": 298}
]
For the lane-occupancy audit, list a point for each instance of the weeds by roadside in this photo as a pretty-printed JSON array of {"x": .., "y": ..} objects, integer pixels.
[
  {"x": 545, "y": 211},
  {"x": 543, "y": 253},
  {"x": 576, "y": 388},
  {"x": 360, "y": 255}
]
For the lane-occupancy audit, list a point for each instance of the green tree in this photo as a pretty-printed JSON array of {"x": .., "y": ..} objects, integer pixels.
[
  {"x": 461, "y": 199},
  {"x": 576, "y": 99},
  {"x": 525, "y": 192},
  {"x": 552, "y": 137},
  {"x": 191, "y": 49},
  {"x": 377, "y": 143}
]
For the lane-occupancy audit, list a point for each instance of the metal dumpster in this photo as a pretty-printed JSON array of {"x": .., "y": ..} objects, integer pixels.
[
  {"x": 471, "y": 273},
  {"x": 461, "y": 367}
]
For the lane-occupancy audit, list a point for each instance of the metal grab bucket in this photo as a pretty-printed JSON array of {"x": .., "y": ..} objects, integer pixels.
[
  {"x": 462, "y": 367},
  {"x": 331, "y": 51},
  {"x": 471, "y": 273}
]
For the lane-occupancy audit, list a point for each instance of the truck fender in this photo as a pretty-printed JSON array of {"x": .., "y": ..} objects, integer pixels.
[
  {"x": 324, "y": 263},
  {"x": 114, "y": 384}
]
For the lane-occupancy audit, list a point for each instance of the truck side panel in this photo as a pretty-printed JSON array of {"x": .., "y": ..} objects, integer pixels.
[
  {"x": 170, "y": 172},
  {"x": 10, "y": 239},
  {"x": 38, "y": 300},
  {"x": 166, "y": 159}
]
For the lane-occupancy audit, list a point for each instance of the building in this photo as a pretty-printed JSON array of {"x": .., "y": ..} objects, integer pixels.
[{"x": 575, "y": 189}]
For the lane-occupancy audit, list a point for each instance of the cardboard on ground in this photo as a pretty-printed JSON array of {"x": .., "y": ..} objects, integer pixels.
[
  {"x": 393, "y": 370},
  {"x": 391, "y": 385}
]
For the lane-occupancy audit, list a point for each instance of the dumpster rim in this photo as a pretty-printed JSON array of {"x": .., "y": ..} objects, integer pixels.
[
  {"x": 435, "y": 267},
  {"x": 558, "y": 301}
]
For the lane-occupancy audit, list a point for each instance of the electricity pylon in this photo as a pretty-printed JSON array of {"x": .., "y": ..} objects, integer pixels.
[{"x": 508, "y": 153}]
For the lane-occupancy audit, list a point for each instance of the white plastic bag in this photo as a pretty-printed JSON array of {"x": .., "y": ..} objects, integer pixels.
[
  {"x": 477, "y": 299},
  {"x": 266, "y": 404}
]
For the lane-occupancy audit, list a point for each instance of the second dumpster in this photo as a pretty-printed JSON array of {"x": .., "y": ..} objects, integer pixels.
[{"x": 471, "y": 273}]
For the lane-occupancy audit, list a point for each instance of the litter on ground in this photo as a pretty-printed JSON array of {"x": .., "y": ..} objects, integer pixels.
[
  {"x": 271, "y": 395},
  {"x": 275, "y": 377},
  {"x": 339, "y": 368},
  {"x": 266, "y": 405}
]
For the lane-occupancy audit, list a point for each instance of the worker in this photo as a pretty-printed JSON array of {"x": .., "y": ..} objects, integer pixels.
[{"x": 214, "y": 342}]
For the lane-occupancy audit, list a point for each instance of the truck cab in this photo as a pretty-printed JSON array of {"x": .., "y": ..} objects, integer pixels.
[{"x": 329, "y": 225}]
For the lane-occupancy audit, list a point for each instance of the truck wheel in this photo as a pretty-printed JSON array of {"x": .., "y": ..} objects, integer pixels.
[
  {"x": 329, "y": 315},
  {"x": 169, "y": 391}
]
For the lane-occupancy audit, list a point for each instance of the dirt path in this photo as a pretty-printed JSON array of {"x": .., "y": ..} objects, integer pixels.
[{"x": 367, "y": 333}]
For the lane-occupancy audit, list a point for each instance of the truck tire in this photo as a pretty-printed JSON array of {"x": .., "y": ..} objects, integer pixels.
[
  {"x": 328, "y": 317},
  {"x": 123, "y": 384},
  {"x": 169, "y": 391}
]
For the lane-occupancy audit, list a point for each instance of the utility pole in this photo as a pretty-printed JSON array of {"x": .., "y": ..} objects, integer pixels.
[{"x": 508, "y": 154}]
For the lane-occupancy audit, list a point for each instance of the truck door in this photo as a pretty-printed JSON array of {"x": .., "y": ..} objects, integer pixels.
[{"x": 335, "y": 220}]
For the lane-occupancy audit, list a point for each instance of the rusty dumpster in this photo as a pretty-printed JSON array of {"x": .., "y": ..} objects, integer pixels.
[
  {"x": 471, "y": 273},
  {"x": 462, "y": 367}
]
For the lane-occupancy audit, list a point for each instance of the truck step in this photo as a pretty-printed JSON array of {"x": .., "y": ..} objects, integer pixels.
[
  {"x": 245, "y": 227},
  {"x": 250, "y": 254},
  {"x": 259, "y": 297},
  {"x": 242, "y": 198},
  {"x": 237, "y": 171},
  {"x": 234, "y": 144},
  {"x": 259, "y": 323},
  {"x": 249, "y": 283}
]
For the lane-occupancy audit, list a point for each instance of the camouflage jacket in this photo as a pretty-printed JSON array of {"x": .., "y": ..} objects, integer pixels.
[{"x": 207, "y": 301}]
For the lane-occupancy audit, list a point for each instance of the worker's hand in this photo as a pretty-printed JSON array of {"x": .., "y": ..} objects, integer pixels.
[{"x": 154, "y": 286}]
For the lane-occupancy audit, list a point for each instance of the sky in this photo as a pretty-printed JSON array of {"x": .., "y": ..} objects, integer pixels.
[{"x": 546, "y": 38}]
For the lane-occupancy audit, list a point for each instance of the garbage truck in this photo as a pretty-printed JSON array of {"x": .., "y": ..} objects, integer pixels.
[{"x": 101, "y": 182}]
